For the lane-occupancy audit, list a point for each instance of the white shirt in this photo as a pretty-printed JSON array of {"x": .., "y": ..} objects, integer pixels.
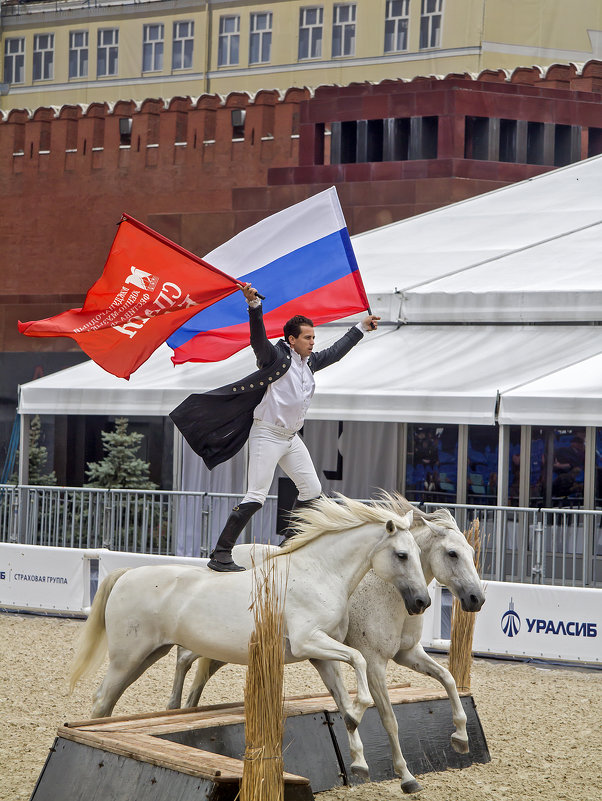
[{"x": 287, "y": 400}]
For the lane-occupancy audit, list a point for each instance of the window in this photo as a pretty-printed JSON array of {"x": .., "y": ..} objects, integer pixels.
[
  {"x": 14, "y": 60},
  {"x": 108, "y": 51},
  {"x": 482, "y": 465},
  {"x": 43, "y": 57},
  {"x": 557, "y": 467},
  {"x": 430, "y": 23},
  {"x": 343, "y": 30},
  {"x": 432, "y": 463},
  {"x": 310, "y": 32},
  {"x": 152, "y": 48},
  {"x": 396, "y": 25},
  {"x": 183, "y": 37},
  {"x": 229, "y": 41},
  {"x": 78, "y": 54},
  {"x": 261, "y": 38}
]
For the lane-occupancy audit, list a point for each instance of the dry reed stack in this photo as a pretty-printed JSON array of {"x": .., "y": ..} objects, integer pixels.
[
  {"x": 262, "y": 778},
  {"x": 462, "y": 624}
]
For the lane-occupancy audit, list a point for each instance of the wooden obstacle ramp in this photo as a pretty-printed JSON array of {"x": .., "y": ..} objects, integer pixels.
[{"x": 196, "y": 755}]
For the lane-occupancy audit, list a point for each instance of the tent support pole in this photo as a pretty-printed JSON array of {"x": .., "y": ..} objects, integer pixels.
[
  {"x": 21, "y": 533},
  {"x": 24, "y": 449},
  {"x": 462, "y": 463},
  {"x": 177, "y": 459},
  {"x": 402, "y": 456},
  {"x": 589, "y": 483},
  {"x": 502, "y": 465},
  {"x": 525, "y": 466},
  {"x": 502, "y": 498}
]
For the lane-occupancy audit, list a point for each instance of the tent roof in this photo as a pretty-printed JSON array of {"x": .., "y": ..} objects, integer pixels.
[
  {"x": 567, "y": 397},
  {"x": 442, "y": 374},
  {"x": 526, "y": 253}
]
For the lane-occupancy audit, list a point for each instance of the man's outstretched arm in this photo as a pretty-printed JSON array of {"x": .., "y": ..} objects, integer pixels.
[
  {"x": 342, "y": 346},
  {"x": 264, "y": 351}
]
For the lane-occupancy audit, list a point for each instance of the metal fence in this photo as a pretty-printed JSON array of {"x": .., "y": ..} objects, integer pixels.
[
  {"x": 137, "y": 521},
  {"x": 548, "y": 546},
  {"x": 540, "y": 546}
]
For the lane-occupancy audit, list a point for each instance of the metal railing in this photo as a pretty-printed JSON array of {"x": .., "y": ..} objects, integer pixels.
[
  {"x": 540, "y": 546},
  {"x": 137, "y": 521},
  {"x": 548, "y": 546}
]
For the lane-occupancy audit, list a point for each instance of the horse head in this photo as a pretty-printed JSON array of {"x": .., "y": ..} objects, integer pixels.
[
  {"x": 450, "y": 558},
  {"x": 397, "y": 560}
]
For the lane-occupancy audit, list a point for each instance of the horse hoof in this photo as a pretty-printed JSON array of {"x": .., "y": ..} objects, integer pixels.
[
  {"x": 350, "y": 723},
  {"x": 459, "y": 745},
  {"x": 361, "y": 773},
  {"x": 411, "y": 787}
]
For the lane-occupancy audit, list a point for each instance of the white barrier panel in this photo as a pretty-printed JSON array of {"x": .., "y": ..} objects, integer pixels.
[
  {"x": 530, "y": 620},
  {"x": 43, "y": 578},
  {"x": 60, "y": 580},
  {"x": 111, "y": 560}
]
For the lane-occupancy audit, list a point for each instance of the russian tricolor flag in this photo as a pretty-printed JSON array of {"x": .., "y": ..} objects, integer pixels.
[{"x": 300, "y": 259}]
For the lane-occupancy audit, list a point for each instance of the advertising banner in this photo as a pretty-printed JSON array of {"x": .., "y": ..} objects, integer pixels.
[
  {"x": 539, "y": 621},
  {"x": 526, "y": 620},
  {"x": 42, "y": 578}
]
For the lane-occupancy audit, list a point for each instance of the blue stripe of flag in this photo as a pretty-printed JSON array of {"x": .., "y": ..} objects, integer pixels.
[{"x": 291, "y": 276}]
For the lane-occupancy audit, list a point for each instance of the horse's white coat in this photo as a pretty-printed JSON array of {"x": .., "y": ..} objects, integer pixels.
[
  {"x": 146, "y": 610},
  {"x": 380, "y": 628}
]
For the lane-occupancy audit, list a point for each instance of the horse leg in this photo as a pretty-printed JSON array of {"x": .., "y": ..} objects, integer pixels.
[
  {"x": 119, "y": 676},
  {"x": 205, "y": 669},
  {"x": 417, "y": 659},
  {"x": 184, "y": 662},
  {"x": 319, "y": 645},
  {"x": 331, "y": 676},
  {"x": 377, "y": 680}
]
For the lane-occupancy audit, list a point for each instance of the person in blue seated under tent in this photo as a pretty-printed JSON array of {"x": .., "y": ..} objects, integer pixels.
[{"x": 267, "y": 408}]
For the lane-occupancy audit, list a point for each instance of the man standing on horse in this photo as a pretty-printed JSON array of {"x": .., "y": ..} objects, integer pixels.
[{"x": 268, "y": 408}]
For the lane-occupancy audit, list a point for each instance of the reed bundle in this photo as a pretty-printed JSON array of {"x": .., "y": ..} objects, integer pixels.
[
  {"x": 462, "y": 624},
  {"x": 262, "y": 778}
]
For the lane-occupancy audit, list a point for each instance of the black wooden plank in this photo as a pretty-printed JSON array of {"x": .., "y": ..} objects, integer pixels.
[{"x": 76, "y": 772}]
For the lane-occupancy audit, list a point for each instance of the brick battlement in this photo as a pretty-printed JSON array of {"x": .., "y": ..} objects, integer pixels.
[
  {"x": 151, "y": 133},
  {"x": 188, "y": 131}
]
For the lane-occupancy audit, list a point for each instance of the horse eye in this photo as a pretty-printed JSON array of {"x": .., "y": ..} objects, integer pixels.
[
  {"x": 402, "y": 555},
  {"x": 453, "y": 554}
]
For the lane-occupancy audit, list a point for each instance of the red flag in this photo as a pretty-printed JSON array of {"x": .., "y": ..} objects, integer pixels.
[{"x": 149, "y": 287}]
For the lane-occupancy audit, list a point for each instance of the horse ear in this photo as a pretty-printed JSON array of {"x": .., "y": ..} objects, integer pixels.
[
  {"x": 390, "y": 526},
  {"x": 409, "y": 518}
]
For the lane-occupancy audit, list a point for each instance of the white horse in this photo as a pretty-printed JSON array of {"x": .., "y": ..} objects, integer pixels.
[
  {"x": 380, "y": 629},
  {"x": 146, "y": 610}
]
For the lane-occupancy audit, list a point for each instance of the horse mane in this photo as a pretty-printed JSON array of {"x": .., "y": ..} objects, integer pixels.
[
  {"x": 333, "y": 515},
  {"x": 442, "y": 517}
]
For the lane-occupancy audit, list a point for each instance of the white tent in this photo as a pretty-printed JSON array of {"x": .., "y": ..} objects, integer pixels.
[{"x": 491, "y": 310}]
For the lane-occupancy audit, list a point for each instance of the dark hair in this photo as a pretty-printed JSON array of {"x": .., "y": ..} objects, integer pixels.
[{"x": 292, "y": 328}]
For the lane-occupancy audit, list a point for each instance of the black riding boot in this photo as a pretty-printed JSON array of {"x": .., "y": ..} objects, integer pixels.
[
  {"x": 290, "y": 532},
  {"x": 221, "y": 556}
]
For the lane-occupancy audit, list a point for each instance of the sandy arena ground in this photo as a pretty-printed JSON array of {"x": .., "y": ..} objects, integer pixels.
[{"x": 543, "y": 726}]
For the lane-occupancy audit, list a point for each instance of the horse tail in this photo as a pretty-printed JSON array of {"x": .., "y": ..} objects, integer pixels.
[{"x": 92, "y": 644}]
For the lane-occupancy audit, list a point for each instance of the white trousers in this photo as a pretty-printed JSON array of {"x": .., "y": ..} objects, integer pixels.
[{"x": 270, "y": 446}]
